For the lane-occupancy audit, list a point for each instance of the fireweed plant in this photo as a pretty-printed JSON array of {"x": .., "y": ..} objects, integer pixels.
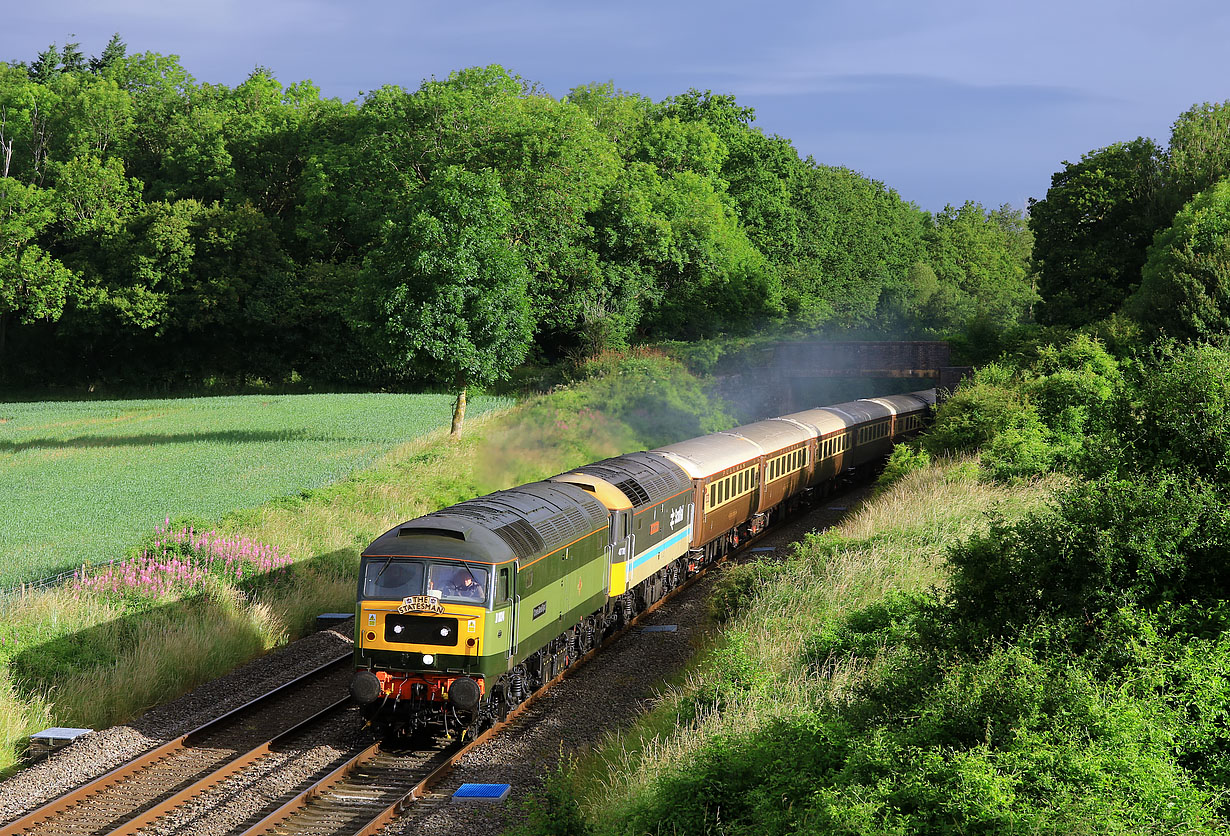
[{"x": 178, "y": 560}]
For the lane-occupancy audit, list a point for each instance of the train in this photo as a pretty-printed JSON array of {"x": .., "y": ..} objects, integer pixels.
[{"x": 463, "y": 613}]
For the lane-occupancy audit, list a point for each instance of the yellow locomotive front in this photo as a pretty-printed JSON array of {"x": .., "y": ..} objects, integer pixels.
[{"x": 421, "y": 640}]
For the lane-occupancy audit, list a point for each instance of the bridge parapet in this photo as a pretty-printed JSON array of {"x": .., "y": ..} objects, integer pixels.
[{"x": 781, "y": 376}]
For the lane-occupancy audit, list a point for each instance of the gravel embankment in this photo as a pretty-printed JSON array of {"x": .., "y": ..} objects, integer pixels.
[{"x": 103, "y": 750}]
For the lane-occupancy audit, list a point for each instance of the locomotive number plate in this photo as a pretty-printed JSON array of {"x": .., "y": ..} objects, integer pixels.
[{"x": 420, "y": 603}]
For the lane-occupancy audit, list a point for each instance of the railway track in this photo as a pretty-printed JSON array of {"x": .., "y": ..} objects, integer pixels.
[{"x": 136, "y": 794}]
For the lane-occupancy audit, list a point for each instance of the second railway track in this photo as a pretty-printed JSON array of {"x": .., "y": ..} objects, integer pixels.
[{"x": 134, "y": 795}]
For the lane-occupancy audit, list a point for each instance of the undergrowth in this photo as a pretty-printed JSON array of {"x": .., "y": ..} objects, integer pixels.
[{"x": 1057, "y": 666}]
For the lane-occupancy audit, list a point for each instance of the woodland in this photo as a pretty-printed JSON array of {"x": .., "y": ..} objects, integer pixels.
[{"x": 162, "y": 233}]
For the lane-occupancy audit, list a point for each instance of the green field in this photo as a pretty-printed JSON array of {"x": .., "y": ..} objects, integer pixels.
[{"x": 81, "y": 481}]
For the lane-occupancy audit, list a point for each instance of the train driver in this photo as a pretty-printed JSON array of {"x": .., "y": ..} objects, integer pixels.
[{"x": 463, "y": 584}]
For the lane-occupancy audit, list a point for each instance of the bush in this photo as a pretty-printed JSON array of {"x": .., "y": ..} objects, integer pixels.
[
  {"x": 1020, "y": 452},
  {"x": 904, "y": 460},
  {"x": 1175, "y": 415},
  {"x": 1073, "y": 381},
  {"x": 976, "y": 413},
  {"x": 736, "y": 586},
  {"x": 1009, "y": 742},
  {"x": 1107, "y": 544}
]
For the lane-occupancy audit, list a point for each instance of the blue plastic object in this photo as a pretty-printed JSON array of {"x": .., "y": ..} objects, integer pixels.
[{"x": 482, "y": 792}]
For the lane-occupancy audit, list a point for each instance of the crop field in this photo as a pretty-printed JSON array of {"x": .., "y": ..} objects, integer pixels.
[{"x": 80, "y": 482}]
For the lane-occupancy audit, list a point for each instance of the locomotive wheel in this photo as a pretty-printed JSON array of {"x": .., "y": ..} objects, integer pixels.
[{"x": 499, "y": 700}]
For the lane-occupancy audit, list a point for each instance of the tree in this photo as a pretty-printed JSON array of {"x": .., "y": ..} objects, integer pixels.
[
  {"x": 447, "y": 289},
  {"x": 761, "y": 172},
  {"x": 1199, "y": 153},
  {"x": 672, "y": 246},
  {"x": 33, "y": 285},
  {"x": 553, "y": 166},
  {"x": 1185, "y": 288},
  {"x": 857, "y": 240},
  {"x": 72, "y": 59},
  {"x": 984, "y": 256},
  {"x": 46, "y": 66},
  {"x": 1092, "y": 230},
  {"x": 112, "y": 54}
]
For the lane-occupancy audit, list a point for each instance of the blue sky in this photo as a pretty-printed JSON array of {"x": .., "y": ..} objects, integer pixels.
[{"x": 944, "y": 101}]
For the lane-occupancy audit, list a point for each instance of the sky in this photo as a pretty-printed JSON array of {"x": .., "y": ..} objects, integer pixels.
[{"x": 943, "y": 101}]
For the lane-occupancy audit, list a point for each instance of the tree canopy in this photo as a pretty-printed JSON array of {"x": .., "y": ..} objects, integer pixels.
[
  {"x": 1185, "y": 291},
  {"x": 161, "y": 230}
]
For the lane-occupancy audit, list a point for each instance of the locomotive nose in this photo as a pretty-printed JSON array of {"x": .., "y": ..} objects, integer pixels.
[{"x": 365, "y": 687}]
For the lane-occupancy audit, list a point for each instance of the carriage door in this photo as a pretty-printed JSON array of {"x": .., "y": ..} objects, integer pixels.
[
  {"x": 621, "y": 541},
  {"x": 514, "y": 617}
]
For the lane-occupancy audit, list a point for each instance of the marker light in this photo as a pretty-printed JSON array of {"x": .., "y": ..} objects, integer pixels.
[
  {"x": 443, "y": 631},
  {"x": 428, "y": 658}
]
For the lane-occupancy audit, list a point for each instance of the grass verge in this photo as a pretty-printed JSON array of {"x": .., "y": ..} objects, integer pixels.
[{"x": 757, "y": 678}]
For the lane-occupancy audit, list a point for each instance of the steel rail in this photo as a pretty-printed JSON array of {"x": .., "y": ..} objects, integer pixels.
[
  {"x": 125, "y": 771},
  {"x": 208, "y": 782}
]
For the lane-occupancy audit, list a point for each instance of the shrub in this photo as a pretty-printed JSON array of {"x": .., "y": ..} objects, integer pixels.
[
  {"x": 1072, "y": 381},
  {"x": 1004, "y": 743},
  {"x": 736, "y": 586},
  {"x": 904, "y": 460},
  {"x": 1107, "y": 544},
  {"x": 1020, "y": 452},
  {"x": 1175, "y": 414},
  {"x": 976, "y": 413}
]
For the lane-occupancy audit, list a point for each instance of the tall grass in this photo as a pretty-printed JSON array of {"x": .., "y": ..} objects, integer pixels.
[{"x": 754, "y": 674}]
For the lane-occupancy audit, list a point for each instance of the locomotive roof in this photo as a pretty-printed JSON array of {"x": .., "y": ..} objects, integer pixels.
[
  {"x": 644, "y": 478},
  {"x": 522, "y": 522}
]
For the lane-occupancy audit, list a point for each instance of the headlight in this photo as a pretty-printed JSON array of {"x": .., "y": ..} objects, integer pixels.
[{"x": 428, "y": 658}]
